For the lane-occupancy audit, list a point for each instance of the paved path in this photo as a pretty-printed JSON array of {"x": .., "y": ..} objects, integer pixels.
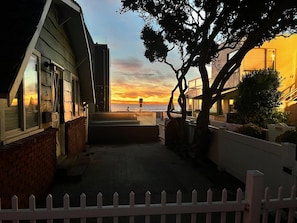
[{"x": 138, "y": 168}]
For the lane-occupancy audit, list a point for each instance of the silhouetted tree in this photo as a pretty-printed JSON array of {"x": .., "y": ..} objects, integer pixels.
[{"x": 199, "y": 30}]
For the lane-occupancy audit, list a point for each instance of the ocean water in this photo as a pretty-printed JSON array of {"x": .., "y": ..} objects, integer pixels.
[{"x": 136, "y": 107}]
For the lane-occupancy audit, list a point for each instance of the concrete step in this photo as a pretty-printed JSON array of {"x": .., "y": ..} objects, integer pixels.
[
  {"x": 114, "y": 122},
  {"x": 112, "y": 116}
]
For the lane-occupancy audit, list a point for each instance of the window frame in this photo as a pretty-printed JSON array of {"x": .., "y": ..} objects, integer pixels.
[
  {"x": 265, "y": 59},
  {"x": 22, "y": 131},
  {"x": 57, "y": 91}
]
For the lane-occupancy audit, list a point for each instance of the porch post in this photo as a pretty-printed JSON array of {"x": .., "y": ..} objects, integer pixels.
[{"x": 254, "y": 193}]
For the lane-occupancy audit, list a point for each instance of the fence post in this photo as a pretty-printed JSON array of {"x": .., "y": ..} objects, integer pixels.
[{"x": 253, "y": 196}]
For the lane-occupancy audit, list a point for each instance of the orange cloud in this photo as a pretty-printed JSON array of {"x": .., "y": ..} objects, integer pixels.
[
  {"x": 131, "y": 93},
  {"x": 130, "y": 80}
]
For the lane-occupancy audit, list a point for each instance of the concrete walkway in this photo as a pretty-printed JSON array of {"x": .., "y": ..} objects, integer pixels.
[{"x": 138, "y": 168}]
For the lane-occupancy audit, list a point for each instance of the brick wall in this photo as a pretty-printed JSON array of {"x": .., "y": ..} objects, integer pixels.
[
  {"x": 75, "y": 136},
  {"x": 27, "y": 167}
]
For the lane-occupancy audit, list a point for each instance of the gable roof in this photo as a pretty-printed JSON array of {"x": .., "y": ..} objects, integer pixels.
[
  {"x": 19, "y": 32},
  {"x": 21, "y": 35}
]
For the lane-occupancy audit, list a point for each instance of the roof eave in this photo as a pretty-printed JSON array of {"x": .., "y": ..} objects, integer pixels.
[{"x": 80, "y": 44}]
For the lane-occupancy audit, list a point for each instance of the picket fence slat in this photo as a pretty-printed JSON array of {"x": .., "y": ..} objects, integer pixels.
[
  {"x": 265, "y": 202},
  {"x": 194, "y": 202},
  {"x": 292, "y": 210},
  {"x": 279, "y": 210},
  {"x": 224, "y": 201},
  {"x": 209, "y": 202},
  {"x": 280, "y": 202},
  {"x": 238, "y": 201},
  {"x": 163, "y": 203}
]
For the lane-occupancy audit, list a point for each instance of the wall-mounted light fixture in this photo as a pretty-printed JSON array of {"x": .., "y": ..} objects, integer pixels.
[
  {"x": 49, "y": 66},
  {"x": 231, "y": 101}
]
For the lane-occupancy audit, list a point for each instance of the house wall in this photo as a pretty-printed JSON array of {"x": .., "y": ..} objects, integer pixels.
[
  {"x": 218, "y": 64},
  {"x": 291, "y": 108},
  {"x": 27, "y": 167},
  {"x": 286, "y": 58},
  {"x": 54, "y": 46},
  {"x": 54, "y": 43}
]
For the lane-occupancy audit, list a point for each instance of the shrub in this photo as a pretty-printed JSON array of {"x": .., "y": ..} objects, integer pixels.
[
  {"x": 288, "y": 136},
  {"x": 258, "y": 97},
  {"x": 252, "y": 130},
  {"x": 278, "y": 117}
]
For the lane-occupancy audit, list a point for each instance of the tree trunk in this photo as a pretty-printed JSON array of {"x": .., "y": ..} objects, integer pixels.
[{"x": 202, "y": 135}]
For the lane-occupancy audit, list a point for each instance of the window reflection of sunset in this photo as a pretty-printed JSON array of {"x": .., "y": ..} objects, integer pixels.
[
  {"x": 14, "y": 102},
  {"x": 30, "y": 99},
  {"x": 30, "y": 84}
]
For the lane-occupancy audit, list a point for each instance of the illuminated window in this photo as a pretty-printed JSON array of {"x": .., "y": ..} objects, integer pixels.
[
  {"x": 230, "y": 55},
  {"x": 259, "y": 58},
  {"x": 23, "y": 114},
  {"x": 270, "y": 59}
]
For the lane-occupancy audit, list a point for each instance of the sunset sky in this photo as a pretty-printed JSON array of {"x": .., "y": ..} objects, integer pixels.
[{"x": 132, "y": 75}]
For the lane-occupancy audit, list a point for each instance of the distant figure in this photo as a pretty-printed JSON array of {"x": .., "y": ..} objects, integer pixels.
[{"x": 128, "y": 109}]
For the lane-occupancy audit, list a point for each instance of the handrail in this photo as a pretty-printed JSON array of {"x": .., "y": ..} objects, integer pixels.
[
  {"x": 285, "y": 96},
  {"x": 291, "y": 96}
]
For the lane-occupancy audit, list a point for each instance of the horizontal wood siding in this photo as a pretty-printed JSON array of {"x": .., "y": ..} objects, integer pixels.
[
  {"x": 54, "y": 44},
  {"x": 46, "y": 92}
]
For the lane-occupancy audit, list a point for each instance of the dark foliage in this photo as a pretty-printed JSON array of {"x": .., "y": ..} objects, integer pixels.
[
  {"x": 252, "y": 130},
  {"x": 288, "y": 136},
  {"x": 258, "y": 97}
]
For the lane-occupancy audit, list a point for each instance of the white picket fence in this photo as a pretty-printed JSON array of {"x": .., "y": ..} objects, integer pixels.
[{"x": 252, "y": 206}]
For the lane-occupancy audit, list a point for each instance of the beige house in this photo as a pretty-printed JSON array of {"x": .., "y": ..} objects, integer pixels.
[{"x": 279, "y": 54}]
